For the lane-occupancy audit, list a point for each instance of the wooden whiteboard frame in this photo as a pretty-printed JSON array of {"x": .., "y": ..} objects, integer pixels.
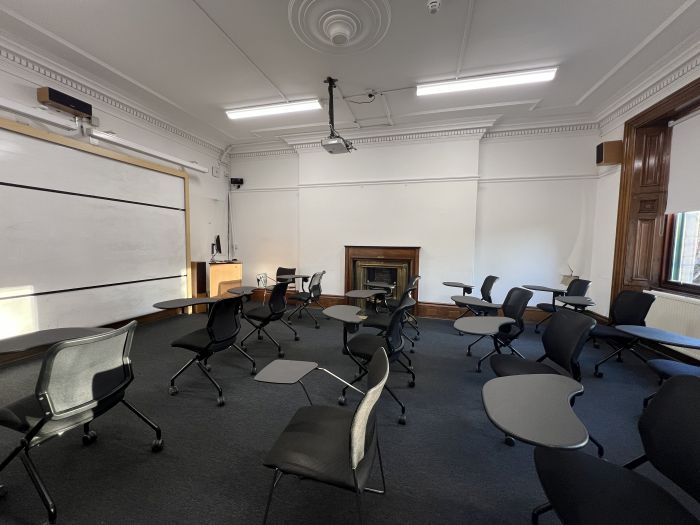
[{"x": 68, "y": 142}]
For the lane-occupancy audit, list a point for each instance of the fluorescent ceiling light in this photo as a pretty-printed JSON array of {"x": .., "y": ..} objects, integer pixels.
[
  {"x": 488, "y": 81},
  {"x": 273, "y": 109},
  {"x": 113, "y": 139},
  {"x": 42, "y": 115}
]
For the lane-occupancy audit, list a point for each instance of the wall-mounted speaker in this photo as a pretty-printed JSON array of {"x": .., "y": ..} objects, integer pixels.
[
  {"x": 608, "y": 153},
  {"x": 54, "y": 98}
]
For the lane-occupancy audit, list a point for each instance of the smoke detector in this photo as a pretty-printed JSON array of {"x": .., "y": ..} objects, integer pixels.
[{"x": 433, "y": 6}]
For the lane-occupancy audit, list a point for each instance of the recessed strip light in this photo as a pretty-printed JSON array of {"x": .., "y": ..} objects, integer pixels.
[
  {"x": 488, "y": 81},
  {"x": 273, "y": 109}
]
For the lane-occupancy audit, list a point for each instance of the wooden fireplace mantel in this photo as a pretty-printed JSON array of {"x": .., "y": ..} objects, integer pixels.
[{"x": 410, "y": 254}]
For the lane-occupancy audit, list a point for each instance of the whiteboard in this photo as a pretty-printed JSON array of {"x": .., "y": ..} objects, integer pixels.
[{"x": 86, "y": 239}]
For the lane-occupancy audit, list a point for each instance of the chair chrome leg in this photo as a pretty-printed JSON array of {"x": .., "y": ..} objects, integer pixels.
[
  {"x": 39, "y": 485},
  {"x": 496, "y": 350},
  {"x": 220, "y": 401},
  {"x": 173, "y": 388},
  {"x": 308, "y": 311},
  {"x": 381, "y": 471},
  {"x": 306, "y": 392},
  {"x": 538, "y": 511},
  {"x": 537, "y": 326},
  {"x": 469, "y": 348},
  {"x": 514, "y": 351},
  {"x": 280, "y": 353},
  {"x": 601, "y": 450},
  {"x": 412, "y": 382},
  {"x": 297, "y": 309},
  {"x": 615, "y": 352},
  {"x": 276, "y": 476},
  {"x": 255, "y": 329},
  {"x": 12, "y": 455},
  {"x": 248, "y": 357},
  {"x": 402, "y": 418},
  {"x": 358, "y": 498},
  {"x": 648, "y": 399}
]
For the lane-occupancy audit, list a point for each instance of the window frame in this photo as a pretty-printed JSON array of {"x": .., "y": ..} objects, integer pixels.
[{"x": 666, "y": 256}]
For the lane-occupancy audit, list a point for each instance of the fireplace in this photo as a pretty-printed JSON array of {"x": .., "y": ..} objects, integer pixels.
[{"x": 387, "y": 264}]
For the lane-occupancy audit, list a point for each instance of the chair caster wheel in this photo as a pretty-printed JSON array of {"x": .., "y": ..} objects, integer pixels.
[
  {"x": 411, "y": 351},
  {"x": 260, "y": 338},
  {"x": 418, "y": 338},
  {"x": 509, "y": 441},
  {"x": 253, "y": 371},
  {"x": 598, "y": 374},
  {"x": 208, "y": 368},
  {"x": 402, "y": 419},
  {"x": 296, "y": 337},
  {"x": 220, "y": 401},
  {"x": 280, "y": 354},
  {"x": 89, "y": 438},
  {"x": 619, "y": 359},
  {"x": 412, "y": 384},
  {"x": 478, "y": 370},
  {"x": 469, "y": 353},
  {"x": 537, "y": 330},
  {"x": 341, "y": 401},
  {"x": 157, "y": 445},
  {"x": 317, "y": 327},
  {"x": 173, "y": 390},
  {"x": 460, "y": 334},
  {"x": 596, "y": 345}
]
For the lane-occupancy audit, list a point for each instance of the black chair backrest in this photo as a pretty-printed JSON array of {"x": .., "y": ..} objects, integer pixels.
[
  {"x": 278, "y": 300},
  {"x": 67, "y": 385},
  {"x": 393, "y": 335},
  {"x": 412, "y": 281},
  {"x": 670, "y": 431},
  {"x": 487, "y": 286},
  {"x": 285, "y": 271},
  {"x": 578, "y": 287},
  {"x": 564, "y": 338},
  {"x": 630, "y": 307},
  {"x": 224, "y": 322},
  {"x": 362, "y": 430},
  {"x": 514, "y": 307},
  {"x": 315, "y": 284}
]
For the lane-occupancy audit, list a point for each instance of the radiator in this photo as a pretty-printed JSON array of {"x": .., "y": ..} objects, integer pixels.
[{"x": 676, "y": 313}]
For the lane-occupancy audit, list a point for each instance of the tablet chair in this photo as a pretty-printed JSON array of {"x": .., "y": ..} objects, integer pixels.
[
  {"x": 629, "y": 307},
  {"x": 306, "y": 298},
  {"x": 584, "y": 490},
  {"x": 263, "y": 279},
  {"x": 361, "y": 348},
  {"x": 381, "y": 320},
  {"x": 220, "y": 334},
  {"x": 514, "y": 307},
  {"x": 262, "y": 316},
  {"x": 409, "y": 318},
  {"x": 577, "y": 287},
  {"x": 563, "y": 341},
  {"x": 333, "y": 445},
  {"x": 80, "y": 379},
  {"x": 486, "y": 287}
]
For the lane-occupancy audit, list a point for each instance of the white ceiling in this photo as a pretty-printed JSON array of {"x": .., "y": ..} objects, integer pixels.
[{"x": 189, "y": 60}]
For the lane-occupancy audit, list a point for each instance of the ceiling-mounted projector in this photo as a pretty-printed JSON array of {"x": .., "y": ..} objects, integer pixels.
[{"x": 334, "y": 143}]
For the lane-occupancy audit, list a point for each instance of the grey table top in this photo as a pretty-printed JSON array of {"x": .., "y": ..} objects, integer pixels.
[
  {"x": 536, "y": 409},
  {"x": 457, "y": 285},
  {"x": 285, "y": 371},
  {"x": 242, "y": 290},
  {"x": 481, "y": 325},
  {"x": 380, "y": 284},
  {"x": 576, "y": 300},
  {"x": 294, "y": 276},
  {"x": 21, "y": 343},
  {"x": 463, "y": 300},
  {"x": 363, "y": 294},
  {"x": 658, "y": 335},
  {"x": 345, "y": 313},
  {"x": 539, "y": 288},
  {"x": 185, "y": 302}
]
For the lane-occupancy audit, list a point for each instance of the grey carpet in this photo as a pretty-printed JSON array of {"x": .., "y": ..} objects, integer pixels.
[{"x": 447, "y": 465}]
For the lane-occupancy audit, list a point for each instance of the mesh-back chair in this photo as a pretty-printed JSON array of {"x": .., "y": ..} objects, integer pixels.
[
  {"x": 513, "y": 306},
  {"x": 576, "y": 288},
  {"x": 486, "y": 288},
  {"x": 223, "y": 326},
  {"x": 381, "y": 320},
  {"x": 563, "y": 340},
  {"x": 262, "y": 316},
  {"x": 263, "y": 279},
  {"x": 584, "y": 490},
  {"x": 80, "y": 379},
  {"x": 361, "y": 348},
  {"x": 334, "y": 445},
  {"x": 306, "y": 298},
  {"x": 409, "y": 318},
  {"x": 630, "y": 308}
]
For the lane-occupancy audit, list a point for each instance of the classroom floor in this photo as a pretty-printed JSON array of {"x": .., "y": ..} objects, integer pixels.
[{"x": 447, "y": 465}]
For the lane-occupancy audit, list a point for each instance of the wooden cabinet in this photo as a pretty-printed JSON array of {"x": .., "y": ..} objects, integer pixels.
[{"x": 230, "y": 273}]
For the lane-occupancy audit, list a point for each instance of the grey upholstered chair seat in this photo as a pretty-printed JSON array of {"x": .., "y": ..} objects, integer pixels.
[
  {"x": 199, "y": 340},
  {"x": 667, "y": 368},
  {"x": 364, "y": 345},
  {"x": 511, "y": 365},
  {"x": 258, "y": 313},
  {"x": 547, "y": 307},
  {"x": 315, "y": 444},
  {"x": 585, "y": 490},
  {"x": 604, "y": 331}
]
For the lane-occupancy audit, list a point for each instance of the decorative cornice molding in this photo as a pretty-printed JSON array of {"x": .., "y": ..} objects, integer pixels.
[
  {"x": 540, "y": 178},
  {"x": 263, "y": 153},
  {"x": 545, "y": 130},
  {"x": 677, "y": 74},
  {"x": 54, "y": 75}
]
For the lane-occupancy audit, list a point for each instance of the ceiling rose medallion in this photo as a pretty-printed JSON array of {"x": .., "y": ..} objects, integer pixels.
[{"x": 340, "y": 27}]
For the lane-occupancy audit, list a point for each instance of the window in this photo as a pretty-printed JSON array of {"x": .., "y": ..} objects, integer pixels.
[{"x": 682, "y": 257}]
